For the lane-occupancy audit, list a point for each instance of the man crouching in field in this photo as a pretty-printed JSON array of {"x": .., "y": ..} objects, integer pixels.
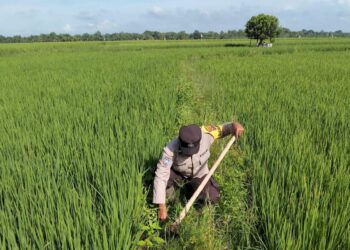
[{"x": 186, "y": 158}]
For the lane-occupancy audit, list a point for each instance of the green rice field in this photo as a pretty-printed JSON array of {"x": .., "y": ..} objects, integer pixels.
[{"x": 83, "y": 126}]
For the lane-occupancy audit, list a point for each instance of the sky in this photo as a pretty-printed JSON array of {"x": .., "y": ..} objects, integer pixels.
[{"x": 31, "y": 17}]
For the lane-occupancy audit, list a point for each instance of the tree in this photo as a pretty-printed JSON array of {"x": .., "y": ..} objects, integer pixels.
[
  {"x": 196, "y": 35},
  {"x": 148, "y": 35},
  {"x": 211, "y": 35},
  {"x": 156, "y": 35},
  {"x": 97, "y": 36},
  {"x": 85, "y": 37},
  {"x": 52, "y": 37},
  {"x": 182, "y": 35},
  {"x": 262, "y": 27}
]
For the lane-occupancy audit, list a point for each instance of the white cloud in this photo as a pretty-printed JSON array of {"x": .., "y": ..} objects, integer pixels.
[
  {"x": 40, "y": 16},
  {"x": 103, "y": 26},
  {"x": 157, "y": 11},
  {"x": 67, "y": 28},
  {"x": 106, "y": 24}
]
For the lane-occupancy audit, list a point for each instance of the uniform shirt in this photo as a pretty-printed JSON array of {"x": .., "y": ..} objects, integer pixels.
[{"x": 195, "y": 166}]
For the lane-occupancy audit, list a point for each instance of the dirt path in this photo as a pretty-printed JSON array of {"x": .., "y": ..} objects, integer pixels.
[{"x": 230, "y": 223}]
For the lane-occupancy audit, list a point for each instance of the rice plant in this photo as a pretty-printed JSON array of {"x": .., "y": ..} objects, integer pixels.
[{"x": 83, "y": 125}]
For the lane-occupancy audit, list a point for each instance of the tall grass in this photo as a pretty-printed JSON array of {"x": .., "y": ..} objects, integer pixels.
[
  {"x": 81, "y": 123},
  {"x": 77, "y": 129},
  {"x": 295, "y": 107}
]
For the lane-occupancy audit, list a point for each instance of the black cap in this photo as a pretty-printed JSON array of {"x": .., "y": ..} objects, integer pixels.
[{"x": 190, "y": 137}]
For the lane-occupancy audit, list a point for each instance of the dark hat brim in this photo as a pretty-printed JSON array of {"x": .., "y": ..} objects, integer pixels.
[{"x": 189, "y": 151}]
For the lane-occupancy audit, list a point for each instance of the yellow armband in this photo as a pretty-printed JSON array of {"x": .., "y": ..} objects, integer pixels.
[
  {"x": 218, "y": 131},
  {"x": 214, "y": 131}
]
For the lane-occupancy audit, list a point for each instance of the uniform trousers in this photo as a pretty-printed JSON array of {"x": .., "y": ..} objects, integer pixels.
[{"x": 211, "y": 191}]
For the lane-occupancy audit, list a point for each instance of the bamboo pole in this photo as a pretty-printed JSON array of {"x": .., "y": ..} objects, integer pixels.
[{"x": 202, "y": 185}]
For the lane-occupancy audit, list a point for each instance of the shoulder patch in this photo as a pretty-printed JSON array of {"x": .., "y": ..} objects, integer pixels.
[{"x": 167, "y": 161}]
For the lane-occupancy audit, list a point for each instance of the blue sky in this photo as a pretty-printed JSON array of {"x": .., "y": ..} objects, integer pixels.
[{"x": 26, "y": 17}]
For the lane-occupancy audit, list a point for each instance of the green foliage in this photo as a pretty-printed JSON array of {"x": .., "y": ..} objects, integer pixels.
[
  {"x": 80, "y": 130},
  {"x": 262, "y": 27},
  {"x": 297, "y": 120},
  {"x": 150, "y": 229},
  {"x": 196, "y": 35},
  {"x": 83, "y": 125}
]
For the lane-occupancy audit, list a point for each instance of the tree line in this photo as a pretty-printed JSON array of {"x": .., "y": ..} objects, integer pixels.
[{"x": 156, "y": 35}]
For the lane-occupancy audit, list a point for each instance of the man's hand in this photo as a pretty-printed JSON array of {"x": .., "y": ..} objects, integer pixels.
[
  {"x": 237, "y": 129},
  {"x": 163, "y": 213}
]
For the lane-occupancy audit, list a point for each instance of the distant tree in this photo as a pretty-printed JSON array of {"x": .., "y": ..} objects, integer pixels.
[
  {"x": 308, "y": 33},
  {"x": 157, "y": 35},
  {"x": 211, "y": 35},
  {"x": 52, "y": 37},
  {"x": 148, "y": 35},
  {"x": 77, "y": 37},
  {"x": 170, "y": 35},
  {"x": 338, "y": 33},
  {"x": 196, "y": 35},
  {"x": 43, "y": 38},
  {"x": 85, "y": 37},
  {"x": 16, "y": 39},
  {"x": 262, "y": 27},
  {"x": 98, "y": 36},
  {"x": 222, "y": 34},
  {"x": 182, "y": 35},
  {"x": 65, "y": 38}
]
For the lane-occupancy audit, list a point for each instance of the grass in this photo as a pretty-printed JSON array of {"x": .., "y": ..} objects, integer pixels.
[
  {"x": 295, "y": 108},
  {"x": 83, "y": 125}
]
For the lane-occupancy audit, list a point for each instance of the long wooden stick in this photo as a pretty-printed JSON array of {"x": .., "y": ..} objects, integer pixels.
[{"x": 204, "y": 182}]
